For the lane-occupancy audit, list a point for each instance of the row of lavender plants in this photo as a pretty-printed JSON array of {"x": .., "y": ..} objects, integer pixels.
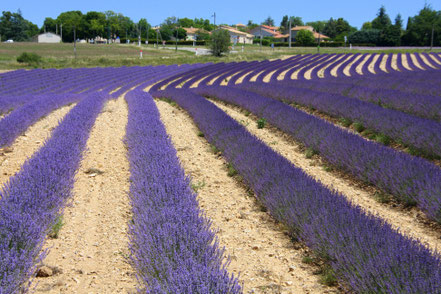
[
  {"x": 18, "y": 121},
  {"x": 31, "y": 201},
  {"x": 364, "y": 251},
  {"x": 425, "y": 106},
  {"x": 419, "y": 133},
  {"x": 412, "y": 180},
  {"x": 173, "y": 247}
]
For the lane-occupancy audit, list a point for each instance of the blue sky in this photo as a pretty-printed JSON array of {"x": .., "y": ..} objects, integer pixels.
[{"x": 227, "y": 11}]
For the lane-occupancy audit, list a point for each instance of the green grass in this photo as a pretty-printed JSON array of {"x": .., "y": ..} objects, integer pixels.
[{"x": 90, "y": 55}]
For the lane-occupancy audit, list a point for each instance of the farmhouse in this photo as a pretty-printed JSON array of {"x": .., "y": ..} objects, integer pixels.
[
  {"x": 238, "y": 37},
  {"x": 295, "y": 30},
  {"x": 265, "y": 31},
  {"x": 48, "y": 38},
  {"x": 192, "y": 33}
]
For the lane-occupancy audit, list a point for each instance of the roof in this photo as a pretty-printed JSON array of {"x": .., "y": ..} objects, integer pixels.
[
  {"x": 49, "y": 33},
  {"x": 280, "y": 36},
  {"x": 195, "y": 30},
  {"x": 228, "y": 28},
  {"x": 241, "y": 25},
  {"x": 270, "y": 27},
  {"x": 321, "y": 36},
  {"x": 298, "y": 28}
]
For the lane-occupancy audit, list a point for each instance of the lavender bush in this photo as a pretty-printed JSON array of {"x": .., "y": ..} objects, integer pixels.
[
  {"x": 365, "y": 252},
  {"x": 173, "y": 247}
]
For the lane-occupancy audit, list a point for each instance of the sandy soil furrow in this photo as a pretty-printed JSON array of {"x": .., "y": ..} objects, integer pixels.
[
  {"x": 92, "y": 245},
  {"x": 394, "y": 62},
  {"x": 359, "y": 67},
  {"x": 434, "y": 60},
  {"x": 415, "y": 61},
  {"x": 321, "y": 72},
  {"x": 260, "y": 251},
  {"x": 427, "y": 61},
  {"x": 337, "y": 66},
  {"x": 308, "y": 73},
  {"x": 405, "y": 62},
  {"x": 13, "y": 157},
  {"x": 407, "y": 222},
  {"x": 240, "y": 80},
  {"x": 371, "y": 65},
  {"x": 383, "y": 63},
  {"x": 348, "y": 67}
]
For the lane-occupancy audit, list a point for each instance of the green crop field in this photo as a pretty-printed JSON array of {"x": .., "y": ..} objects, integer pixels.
[{"x": 89, "y": 55}]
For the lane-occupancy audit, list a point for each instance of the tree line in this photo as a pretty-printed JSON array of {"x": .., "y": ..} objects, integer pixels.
[{"x": 380, "y": 31}]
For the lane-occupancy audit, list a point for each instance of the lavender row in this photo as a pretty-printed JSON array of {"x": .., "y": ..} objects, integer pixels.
[
  {"x": 32, "y": 200},
  {"x": 410, "y": 179},
  {"x": 419, "y": 133},
  {"x": 424, "y": 106},
  {"x": 173, "y": 247},
  {"x": 364, "y": 252},
  {"x": 19, "y": 120}
]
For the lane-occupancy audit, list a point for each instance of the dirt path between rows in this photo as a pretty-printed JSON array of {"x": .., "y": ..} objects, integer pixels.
[
  {"x": 339, "y": 64},
  {"x": 92, "y": 245},
  {"x": 407, "y": 222},
  {"x": 13, "y": 157},
  {"x": 260, "y": 251}
]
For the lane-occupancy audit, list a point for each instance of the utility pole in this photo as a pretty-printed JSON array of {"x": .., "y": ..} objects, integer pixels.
[
  {"x": 56, "y": 29},
  {"x": 157, "y": 44},
  {"x": 75, "y": 42},
  {"x": 431, "y": 40},
  {"x": 214, "y": 15},
  {"x": 61, "y": 27},
  {"x": 261, "y": 37},
  {"x": 289, "y": 41},
  {"x": 176, "y": 38}
]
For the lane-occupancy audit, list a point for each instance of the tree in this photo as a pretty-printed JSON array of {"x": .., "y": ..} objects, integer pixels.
[
  {"x": 382, "y": 21},
  {"x": 305, "y": 38},
  {"x": 180, "y": 33},
  {"x": 268, "y": 21},
  {"x": 295, "y": 21},
  {"x": 14, "y": 26},
  {"x": 69, "y": 20},
  {"x": 367, "y": 36},
  {"x": 317, "y": 25},
  {"x": 367, "y": 26},
  {"x": 49, "y": 25},
  {"x": 202, "y": 35},
  {"x": 419, "y": 28},
  {"x": 251, "y": 25},
  {"x": 220, "y": 41}
]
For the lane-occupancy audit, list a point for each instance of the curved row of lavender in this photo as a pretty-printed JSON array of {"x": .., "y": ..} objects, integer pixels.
[
  {"x": 419, "y": 133},
  {"x": 173, "y": 247},
  {"x": 18, "y": 121},
  {"x": 410, "y": 179},
  {"x": 32, "y": 200},
  {"x": 365, "y": 252},
  {"x": 425, "y": 106}
]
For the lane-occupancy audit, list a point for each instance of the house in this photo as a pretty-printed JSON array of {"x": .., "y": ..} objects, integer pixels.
[
  {"x": 48, "y": 38},
  {"x": 240, "y": 26},
  {"x": 192, "y": 33},
  {"x": 295, "y": 30},
  {"x": 265, "y": 31},
  {"x": 238, "y": 37}
]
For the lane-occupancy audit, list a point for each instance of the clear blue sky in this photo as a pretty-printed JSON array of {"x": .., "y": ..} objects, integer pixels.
[{"x": 227, "y": 11}]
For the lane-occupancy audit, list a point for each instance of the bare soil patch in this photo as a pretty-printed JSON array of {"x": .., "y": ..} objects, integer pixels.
[
  {"x": 92, "y": 246},
  {"x": 13, "y": 157},
  {"x": 267, "y": 260},
  {"x": 410, "y": 222}
]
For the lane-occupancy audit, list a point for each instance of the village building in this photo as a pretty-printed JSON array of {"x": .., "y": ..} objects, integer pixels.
[
  {"x": 48, "y": 38},
  {"x": 238, "y": 37},
  {"x": 296, "y": 29},
  {"x": 192, "y": 33},
  {"x": 265, "y": 31}
]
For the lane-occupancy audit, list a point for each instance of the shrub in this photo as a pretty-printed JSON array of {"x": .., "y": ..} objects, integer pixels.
[
  {"x": 261, "y": 123},
  {"x": 29, "y": 58},
  {"x": 305, "y": 37},
  {"x": 220, "y": 40}
]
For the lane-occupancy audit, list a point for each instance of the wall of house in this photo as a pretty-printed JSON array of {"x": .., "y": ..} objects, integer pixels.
[{"x": 49, "y": 38}]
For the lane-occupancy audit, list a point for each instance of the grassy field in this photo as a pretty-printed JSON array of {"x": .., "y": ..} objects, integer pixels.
[{"x": 62, "y": 55}]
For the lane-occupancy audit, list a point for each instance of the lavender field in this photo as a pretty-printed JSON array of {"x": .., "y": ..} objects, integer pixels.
[{"x": 310, "y": 174}]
